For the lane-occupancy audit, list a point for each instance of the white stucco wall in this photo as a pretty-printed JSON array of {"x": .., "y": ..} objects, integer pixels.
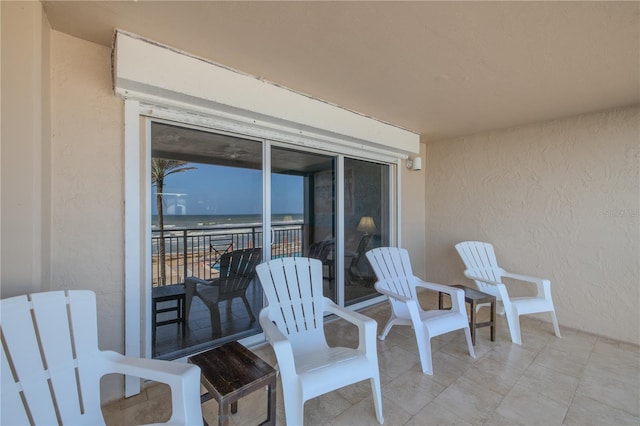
[
  {"x": 558, "y": 200},
  {"x": 87, "y": 185},
  {"x": 412, "y": 213},
  {"x": 24, "y": 149},
  {"x": 62, "y": 159},
  {"x": 87, "y": 178}
]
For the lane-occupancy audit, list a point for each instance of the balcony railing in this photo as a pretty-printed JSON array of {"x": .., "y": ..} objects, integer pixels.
[{"x": 197, "y": 251}]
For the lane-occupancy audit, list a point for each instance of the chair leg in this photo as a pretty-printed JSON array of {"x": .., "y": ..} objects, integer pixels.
[
  {"x": 554, "y": 319},
  {"x": 189, "y": 292},
  {"x": 293, "y": 409},
  {"x": 216, "y": 327},
  {"x": 424, "y": 351},
  {"x": 377, "y": 397},
  {"x": 387, "y": 328},
  {"x": 248, "y": 306},
  {"x": 467, "y": 334},
  {"x": 513, "y": 321}
]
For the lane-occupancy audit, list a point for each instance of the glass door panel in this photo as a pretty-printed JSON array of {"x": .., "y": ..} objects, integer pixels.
[
  {"x": 206, "y": 208},
  {"x": 303, "y": 218},
  {"x": 366, "y": 224}
]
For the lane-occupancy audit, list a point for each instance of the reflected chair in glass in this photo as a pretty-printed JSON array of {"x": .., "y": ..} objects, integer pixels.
[
  {"x": 358, "y": 271},
  {"x": 237, "y": 270},
  {"x": 324, "y": 251}
]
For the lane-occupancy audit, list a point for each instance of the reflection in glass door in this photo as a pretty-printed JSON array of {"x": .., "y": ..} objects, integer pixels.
[
  {"x": 206, "y": 226},
  {"x": 303, "y": 189},
  {"x": 207, "y": 206},
  {"x": 366, "y": 224}
]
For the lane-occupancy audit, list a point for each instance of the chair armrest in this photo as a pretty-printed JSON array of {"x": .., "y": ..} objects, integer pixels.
[
  {"x": 484, "y": 280},
  {"x": 456, "y": 294},
  {"x": 543, "y": 285},
  {"x": 279, "y": 342},
  {"x": 366, "y": 326},
  {"x": 436, "y": 287},
  {"x": 191, "y": 281},
  {"x": 196, "y": 280},
  {"x": 183, "y": 378},
  {"x": 522, "y": 277},
  {"x": 502, "y": 289},
  {"x": 390, "y": 294},
  {"x": 349, "y": 315}
]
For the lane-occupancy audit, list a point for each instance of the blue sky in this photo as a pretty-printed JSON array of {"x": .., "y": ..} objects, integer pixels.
[{"x": 218, "y": 190}]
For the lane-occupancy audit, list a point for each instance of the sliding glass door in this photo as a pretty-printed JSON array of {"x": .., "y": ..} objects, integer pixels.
[
  {"x": 304, "y": 186},
  {"x": 207, "y": 214},
  {"x": 303, "y": 194},
  {"x": 366, "y": 224}
]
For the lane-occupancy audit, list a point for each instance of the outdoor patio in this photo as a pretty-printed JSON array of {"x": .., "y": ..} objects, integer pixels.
[{"x": 581, "y": 379}]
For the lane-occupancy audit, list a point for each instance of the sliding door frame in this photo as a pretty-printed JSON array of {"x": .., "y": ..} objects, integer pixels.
[{"x": 137, "y": 152}]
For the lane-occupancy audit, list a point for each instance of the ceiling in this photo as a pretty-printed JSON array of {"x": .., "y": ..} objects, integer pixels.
[
  {"x": 442, "y": 69},
  {"x": 200, "y": 147}
]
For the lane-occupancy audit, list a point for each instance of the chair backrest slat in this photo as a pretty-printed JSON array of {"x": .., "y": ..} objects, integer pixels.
[
  {"x": 50, "y": 347},
  {"x": 480, "y": 260},
  {"x": 321, "y": 250},
  {"x": 301, "y": 278},
  {"x": 237, "y": 270},
  {"x": 10, "y": 395},
  {"x": 84, "y": 321},
  {"x": 22, "y": 355},
  {"x": 293, "y": 287},
  {"x": 52, "y": 319},
  {"x": 393, "y": 269}
]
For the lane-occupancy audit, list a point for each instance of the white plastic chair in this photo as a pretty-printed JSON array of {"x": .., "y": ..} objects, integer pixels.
[
  {"x": 294, "y": 325},
  {"x": 482, "y": 267},
  {"x": 396, "y": 281},
  {"x": 51, "y": 364}
]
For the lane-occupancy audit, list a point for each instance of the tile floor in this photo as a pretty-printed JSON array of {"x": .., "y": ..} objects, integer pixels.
[
  {"x": 235, "y": 322},
  {"x": 580, "y": 379}
]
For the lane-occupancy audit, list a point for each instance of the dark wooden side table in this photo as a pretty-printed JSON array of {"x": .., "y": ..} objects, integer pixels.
[
  {"x": 232, "y": 371},
  {"x": 165, "y": 294},
  {"x": 474, "y": 297}
]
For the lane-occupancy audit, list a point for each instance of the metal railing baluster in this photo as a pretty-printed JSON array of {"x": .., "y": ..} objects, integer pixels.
[{"x": 192, "y": 251}]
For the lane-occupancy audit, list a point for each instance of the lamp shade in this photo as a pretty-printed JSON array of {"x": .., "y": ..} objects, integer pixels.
[{"x": 366, "y": 225}]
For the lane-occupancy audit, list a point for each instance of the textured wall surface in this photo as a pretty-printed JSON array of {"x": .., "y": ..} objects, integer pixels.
[
  {"x": 88, "y": 183},
  {"x": 558, "y": 200},
  {"x": 412, "y": 234},
  {"x": 24, "y": 106}
]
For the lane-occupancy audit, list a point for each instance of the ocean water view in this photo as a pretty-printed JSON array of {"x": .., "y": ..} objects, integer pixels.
[
  {"x": 203, "y": 221},
  {"x": 193, "y": 244}
]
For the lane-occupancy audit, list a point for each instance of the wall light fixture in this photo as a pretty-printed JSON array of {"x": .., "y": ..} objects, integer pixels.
[{"x": 414, "y": 163}]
